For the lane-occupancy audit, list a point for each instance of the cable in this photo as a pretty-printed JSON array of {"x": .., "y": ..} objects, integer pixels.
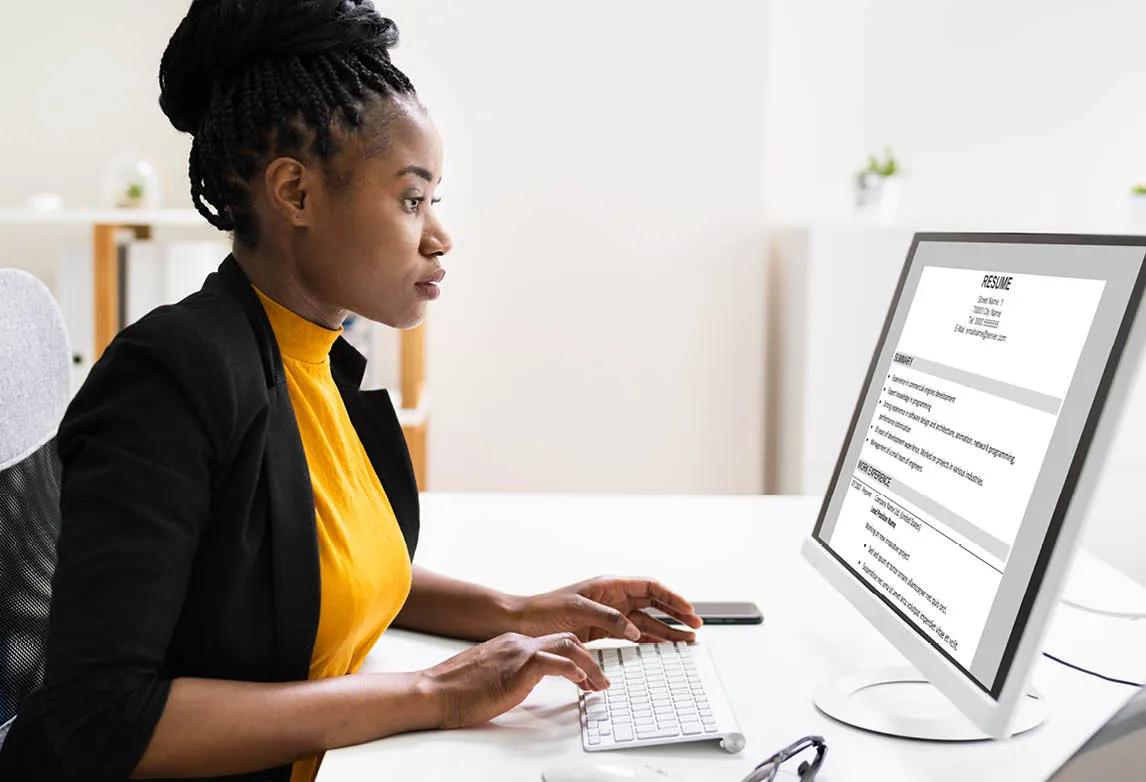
[
  {"x": 1060, "y": 661},
  {"x": 1102, "y": 611}
]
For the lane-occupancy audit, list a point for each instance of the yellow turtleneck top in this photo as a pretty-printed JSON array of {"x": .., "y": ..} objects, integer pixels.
[{"x": 363, "y": 561}]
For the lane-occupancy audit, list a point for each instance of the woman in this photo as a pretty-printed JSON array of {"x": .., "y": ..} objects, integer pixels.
[{"x": 239, "y": 519}]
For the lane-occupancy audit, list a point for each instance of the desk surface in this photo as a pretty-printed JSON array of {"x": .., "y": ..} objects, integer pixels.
[{"x": 730, "y": 548}]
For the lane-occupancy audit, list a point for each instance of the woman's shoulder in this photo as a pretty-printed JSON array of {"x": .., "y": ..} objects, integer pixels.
[
  {"x": 207, "y": 323},
  {"x": 201, "y": 350}
]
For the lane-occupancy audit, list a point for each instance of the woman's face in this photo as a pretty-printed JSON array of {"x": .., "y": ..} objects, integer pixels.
[{"x": 371, "y": 240}]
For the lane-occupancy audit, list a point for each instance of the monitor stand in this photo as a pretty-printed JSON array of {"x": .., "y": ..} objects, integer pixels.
[{"x": 901, "y": 702}]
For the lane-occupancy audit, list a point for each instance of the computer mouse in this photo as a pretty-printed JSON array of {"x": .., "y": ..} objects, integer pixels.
[{"x": 606, "y": 770}]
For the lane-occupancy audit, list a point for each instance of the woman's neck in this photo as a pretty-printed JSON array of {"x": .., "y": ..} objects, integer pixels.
[{"x": 277, "y": 276}]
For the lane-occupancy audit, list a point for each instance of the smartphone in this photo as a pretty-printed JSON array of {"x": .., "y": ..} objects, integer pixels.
[{"x": 718, "y": 614}]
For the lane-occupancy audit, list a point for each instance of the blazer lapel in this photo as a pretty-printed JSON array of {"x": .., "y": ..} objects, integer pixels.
[
  {"x": 372, "y": 414},
  {"x": 294, "y": 539},
  {"x": 291, "y": 522}
]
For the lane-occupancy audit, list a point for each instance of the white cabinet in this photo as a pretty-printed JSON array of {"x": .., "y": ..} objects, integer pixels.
[{"x": 830, "y": 288}]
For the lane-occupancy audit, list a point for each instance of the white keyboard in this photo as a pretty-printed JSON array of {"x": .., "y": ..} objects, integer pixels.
[{"x": 659, "y": 694}]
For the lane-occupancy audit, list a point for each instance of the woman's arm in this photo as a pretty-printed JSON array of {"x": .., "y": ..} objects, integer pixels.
[
  {"x": 214, "y": 727},
  {"x": 458, "y": 609},
  {"x": 603, "y": 607}
]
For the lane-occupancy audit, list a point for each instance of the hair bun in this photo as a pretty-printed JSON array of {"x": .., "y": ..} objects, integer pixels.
[{"x": 218, "y": 37}]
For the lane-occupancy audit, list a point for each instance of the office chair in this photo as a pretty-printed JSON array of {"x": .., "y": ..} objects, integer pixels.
[{"x": 34, "y": 392}]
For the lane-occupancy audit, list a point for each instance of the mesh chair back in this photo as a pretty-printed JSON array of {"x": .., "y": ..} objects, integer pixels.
[{"x": 34, "y": 392}]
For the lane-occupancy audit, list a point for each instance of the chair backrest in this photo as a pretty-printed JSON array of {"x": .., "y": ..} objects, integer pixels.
[{"x": 34, "y": 392}]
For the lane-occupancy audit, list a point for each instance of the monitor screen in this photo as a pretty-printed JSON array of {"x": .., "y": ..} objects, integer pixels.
[{"x": 976, "y": 415}]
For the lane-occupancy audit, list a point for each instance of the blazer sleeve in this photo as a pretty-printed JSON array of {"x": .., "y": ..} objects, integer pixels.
[{"x": 138, "y": 448}]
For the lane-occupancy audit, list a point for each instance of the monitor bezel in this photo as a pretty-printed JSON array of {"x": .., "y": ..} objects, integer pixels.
[{"x": 991, "y": 708}]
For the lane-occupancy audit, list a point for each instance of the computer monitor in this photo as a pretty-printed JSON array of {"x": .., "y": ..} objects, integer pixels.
[{"x": 957, "y": 498}]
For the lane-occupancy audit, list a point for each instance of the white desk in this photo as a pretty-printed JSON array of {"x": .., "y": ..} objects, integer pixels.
[{"x": 736, "y": 547}]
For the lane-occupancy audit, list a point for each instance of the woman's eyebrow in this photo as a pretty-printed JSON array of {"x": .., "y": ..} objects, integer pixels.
[{"x": 419, "y": 171}]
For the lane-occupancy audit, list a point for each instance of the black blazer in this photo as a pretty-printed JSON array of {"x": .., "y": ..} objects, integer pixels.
[{"x": 188, "y": 543}]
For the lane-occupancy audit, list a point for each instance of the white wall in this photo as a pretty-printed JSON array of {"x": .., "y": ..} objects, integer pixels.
[
  {"x": 1016, "y": 112},
  {"x": 81, "y": 84},
  {"x": 600, "y": 324},
  {"x": 599, "y": 329}
]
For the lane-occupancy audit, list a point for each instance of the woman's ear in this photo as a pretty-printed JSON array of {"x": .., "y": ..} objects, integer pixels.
[{"x": 287, "y": 181}]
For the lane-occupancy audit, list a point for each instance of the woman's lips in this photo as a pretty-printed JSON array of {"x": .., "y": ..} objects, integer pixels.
[
  {"x": 428, "y": 286},
  {"x": 428, "y": 289}
]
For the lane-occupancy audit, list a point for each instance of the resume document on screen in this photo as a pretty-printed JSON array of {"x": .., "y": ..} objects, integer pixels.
[{"x": 962, "y": 422}]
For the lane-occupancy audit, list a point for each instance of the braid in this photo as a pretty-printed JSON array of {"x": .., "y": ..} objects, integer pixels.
[
  {"x": 343, "y": 97},
  {"x": 194, "y": 171},
  {"x": 279, "y": 97}
]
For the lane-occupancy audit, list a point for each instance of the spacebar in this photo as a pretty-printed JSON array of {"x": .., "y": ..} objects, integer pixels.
[{"x": 663, "y": 733}]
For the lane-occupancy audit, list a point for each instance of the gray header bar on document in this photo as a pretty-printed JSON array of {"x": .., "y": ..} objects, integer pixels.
[
  {"x": 1024, "y": 396},
  {"x": 974, "y": 533}
]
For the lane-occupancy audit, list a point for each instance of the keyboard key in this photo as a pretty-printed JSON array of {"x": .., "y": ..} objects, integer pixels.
[
  {"x": 659, "y": 733},
  {"x": 656, "y": 692}
]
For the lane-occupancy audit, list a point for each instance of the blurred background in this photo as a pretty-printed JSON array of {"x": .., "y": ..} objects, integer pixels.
[{"x": 677, "y": 225}]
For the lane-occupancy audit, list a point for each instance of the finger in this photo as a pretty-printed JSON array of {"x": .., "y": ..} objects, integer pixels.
[
  {"x": 652, "y": 631},
  {"x": 545, "y": 663},
  {"x": 613, "y": 622},
  {"x": 685, "y": 618},
  {"x": 651, "y": 588},
  {"x": 658, "y": 629},
  {"x": 567, "y": 645}
]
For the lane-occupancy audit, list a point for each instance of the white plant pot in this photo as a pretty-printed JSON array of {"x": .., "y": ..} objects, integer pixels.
[
  {"x": 877, "y": 197},
  {"x": 1136, "y": 213}
]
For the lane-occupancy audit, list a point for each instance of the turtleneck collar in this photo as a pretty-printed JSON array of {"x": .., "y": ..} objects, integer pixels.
[{"x": 297, "y": 337}]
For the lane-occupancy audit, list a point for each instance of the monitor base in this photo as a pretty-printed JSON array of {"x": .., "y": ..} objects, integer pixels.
[{"x": 901, "y": 702}]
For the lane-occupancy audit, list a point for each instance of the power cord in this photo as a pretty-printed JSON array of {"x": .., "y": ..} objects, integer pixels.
[
  {"x": 1102, "y": 676},
  {"x": 1132, "y": 616},
  {"x": 1103, "y": 611}
]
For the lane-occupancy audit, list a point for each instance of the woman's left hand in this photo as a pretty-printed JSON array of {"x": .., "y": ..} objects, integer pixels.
[{"x": 608, "y": 607}]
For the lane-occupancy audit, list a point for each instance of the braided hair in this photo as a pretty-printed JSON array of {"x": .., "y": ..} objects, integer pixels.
[{"x": 250, "y": 77}]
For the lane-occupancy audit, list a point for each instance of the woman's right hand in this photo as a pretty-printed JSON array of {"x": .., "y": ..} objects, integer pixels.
[{"x": 491, "y": 678}]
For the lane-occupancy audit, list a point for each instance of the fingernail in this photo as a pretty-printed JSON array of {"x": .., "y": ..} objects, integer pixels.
[{"x": 632, "y": 633}]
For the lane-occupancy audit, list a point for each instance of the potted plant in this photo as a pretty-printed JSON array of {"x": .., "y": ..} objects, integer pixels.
[
  {"x": 1136, "y": 209},
  {"x": 878, "y": 187},
  {"x": 131, "y": 183}
]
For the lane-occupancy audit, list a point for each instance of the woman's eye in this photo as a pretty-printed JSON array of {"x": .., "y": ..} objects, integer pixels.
[{"x": 413, "y": 204}]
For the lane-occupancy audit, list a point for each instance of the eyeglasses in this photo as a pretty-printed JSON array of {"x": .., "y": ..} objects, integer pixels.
[{"x": 767, "y": 770}]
